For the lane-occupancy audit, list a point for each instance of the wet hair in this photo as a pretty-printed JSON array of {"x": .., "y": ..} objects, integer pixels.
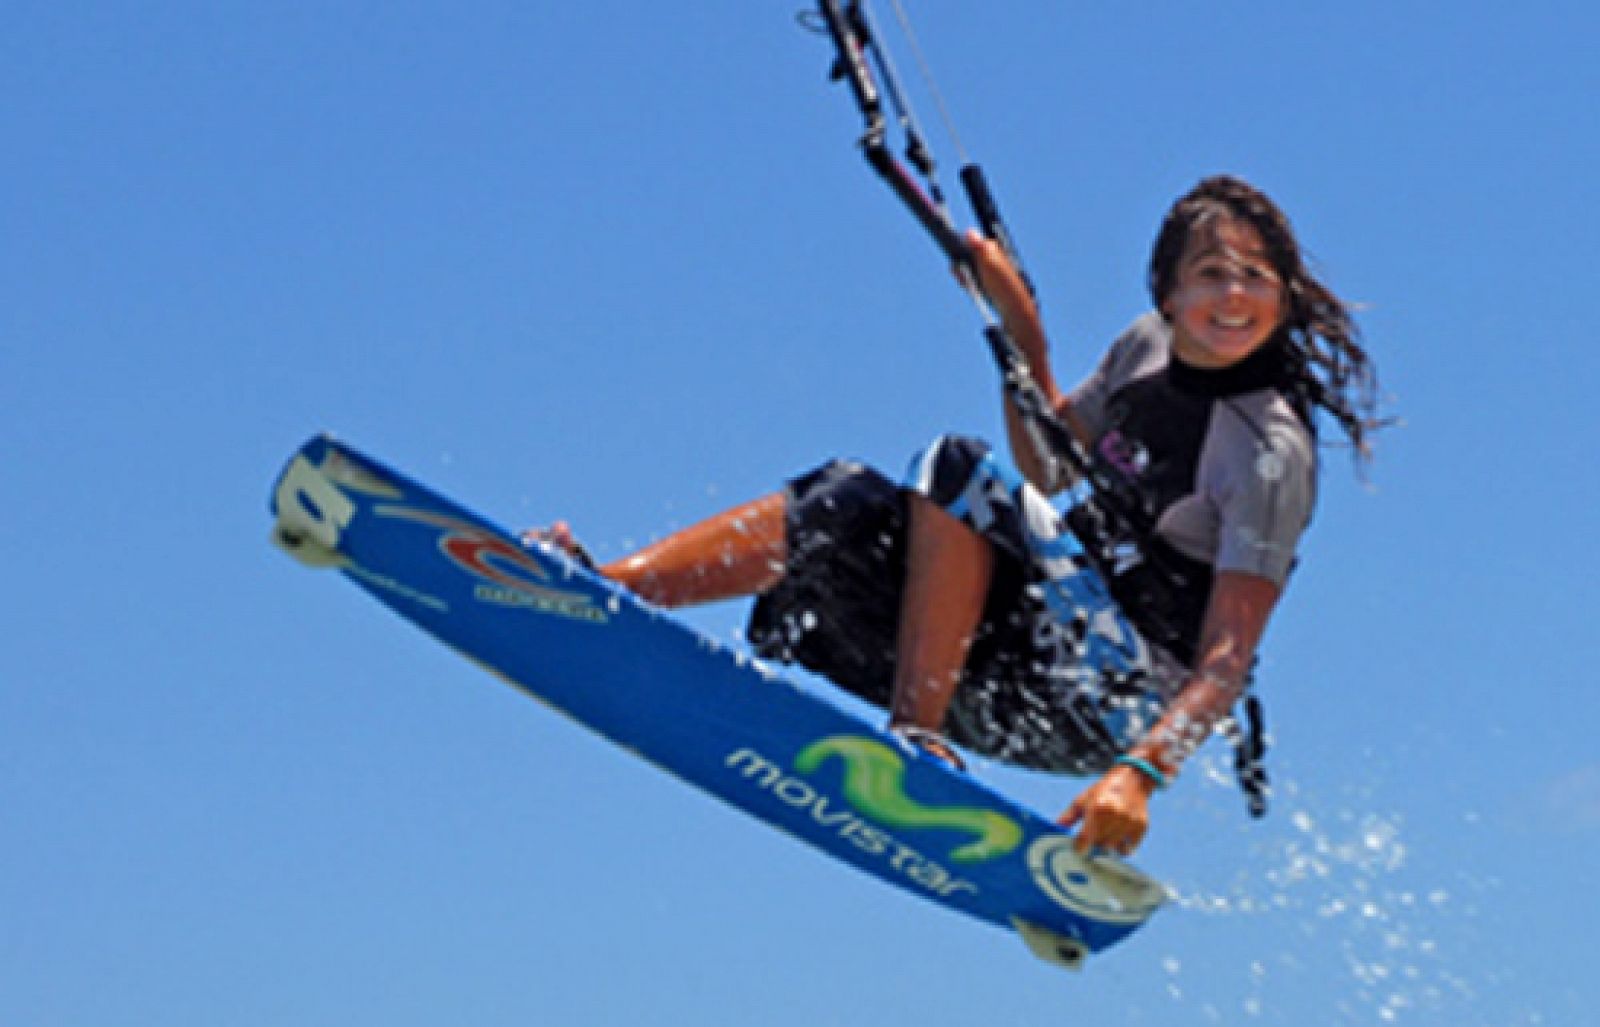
[{"x": 1327, "y": 365}]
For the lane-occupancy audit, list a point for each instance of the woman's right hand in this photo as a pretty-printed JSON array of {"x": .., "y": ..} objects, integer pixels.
[{"x": 1001, "y": 282}]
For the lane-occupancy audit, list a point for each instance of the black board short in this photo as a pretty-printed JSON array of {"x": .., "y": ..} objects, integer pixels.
[{"x": 1026, "y": 695}]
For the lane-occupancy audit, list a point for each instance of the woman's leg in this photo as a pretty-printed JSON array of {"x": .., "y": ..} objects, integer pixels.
[
  {"x": 738, "y": 552},
  {"x": 948, "y": 571}
]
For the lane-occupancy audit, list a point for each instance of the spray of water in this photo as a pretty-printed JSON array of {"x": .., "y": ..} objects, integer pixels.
[{"x": 1370, "y": 920}]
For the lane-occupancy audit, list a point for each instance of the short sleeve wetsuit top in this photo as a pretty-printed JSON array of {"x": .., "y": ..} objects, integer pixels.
[{"x": 1223, "y": 461}]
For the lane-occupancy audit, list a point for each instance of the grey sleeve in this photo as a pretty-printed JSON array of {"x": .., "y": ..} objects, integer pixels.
[
  {"x": 1133, "y": 348},
  {"x": 1262, "y": 479}
]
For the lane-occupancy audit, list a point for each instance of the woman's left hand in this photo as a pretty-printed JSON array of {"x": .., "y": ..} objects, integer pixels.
[{"x": 1113, "y": 814}]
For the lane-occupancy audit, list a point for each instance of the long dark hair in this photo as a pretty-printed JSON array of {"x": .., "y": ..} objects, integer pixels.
[{"x": 1329, "y": 366}]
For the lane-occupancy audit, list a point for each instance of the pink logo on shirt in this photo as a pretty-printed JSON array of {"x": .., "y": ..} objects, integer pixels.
[{"x": 1123, "y": 453}]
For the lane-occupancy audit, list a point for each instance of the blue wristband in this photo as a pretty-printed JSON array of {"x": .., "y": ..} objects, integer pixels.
[{"x": 1144, "y": 767}]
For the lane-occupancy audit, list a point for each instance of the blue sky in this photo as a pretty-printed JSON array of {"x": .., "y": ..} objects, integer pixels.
[{"x": 619, "y": 263}]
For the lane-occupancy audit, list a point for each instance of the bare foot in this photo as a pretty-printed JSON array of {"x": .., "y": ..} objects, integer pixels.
[
  {"x": 561, "y": 537},
  {"x": 930, "y": 742}
]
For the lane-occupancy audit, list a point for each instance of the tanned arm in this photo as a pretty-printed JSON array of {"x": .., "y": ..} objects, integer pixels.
[
  {"x": 1114, "y": 811},
  {"x": 1019, "y": 313}
]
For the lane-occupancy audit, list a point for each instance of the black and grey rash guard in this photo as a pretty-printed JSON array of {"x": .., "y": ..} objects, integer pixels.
[{"x": 1223, "y": 460}]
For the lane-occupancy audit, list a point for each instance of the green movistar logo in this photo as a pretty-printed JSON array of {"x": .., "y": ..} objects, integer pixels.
[{"x": 874, "y": 777}]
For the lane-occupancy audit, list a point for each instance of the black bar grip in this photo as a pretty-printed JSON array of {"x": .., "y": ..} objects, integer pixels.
[
  {"x": 987, "y": 211},
  {"x": 983, "y": 205}
]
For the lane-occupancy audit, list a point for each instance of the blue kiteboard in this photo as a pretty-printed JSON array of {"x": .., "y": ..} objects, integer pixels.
[{"x": 708, "y": 713}]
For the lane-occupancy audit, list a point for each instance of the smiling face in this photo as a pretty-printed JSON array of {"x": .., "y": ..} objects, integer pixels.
[{"x": 1227, "y": 299}]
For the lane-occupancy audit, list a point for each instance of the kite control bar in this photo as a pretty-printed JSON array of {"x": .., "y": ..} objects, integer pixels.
[
  {"x": 857, "y": 45},
  {"x": 851, "y": 29}
]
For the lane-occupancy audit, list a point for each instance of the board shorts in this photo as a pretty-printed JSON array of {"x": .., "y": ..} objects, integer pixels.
[{"x": 1057, "y": 679}]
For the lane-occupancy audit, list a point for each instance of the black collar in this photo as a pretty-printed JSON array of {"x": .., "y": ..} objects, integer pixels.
[{"x": 1265, "y": 368}]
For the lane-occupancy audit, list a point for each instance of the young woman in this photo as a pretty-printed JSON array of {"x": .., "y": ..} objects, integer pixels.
[{"x": 1091, "y": 642}]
